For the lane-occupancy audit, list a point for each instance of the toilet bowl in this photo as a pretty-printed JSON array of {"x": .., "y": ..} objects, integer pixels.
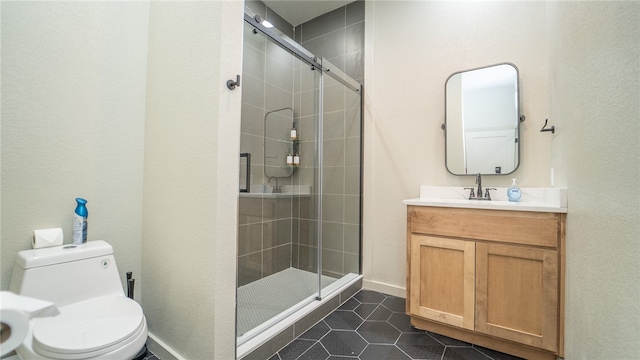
[{"x": 96, "y": 321}]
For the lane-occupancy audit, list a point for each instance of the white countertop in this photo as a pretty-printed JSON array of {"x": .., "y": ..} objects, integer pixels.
[{"x": 533, "y": 199}]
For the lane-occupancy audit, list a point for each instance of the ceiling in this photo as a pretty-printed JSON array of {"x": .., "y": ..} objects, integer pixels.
[{"x": 297, "y": 12}]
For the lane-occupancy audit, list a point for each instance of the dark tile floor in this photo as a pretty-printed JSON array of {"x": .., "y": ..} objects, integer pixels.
[{"x": 374, "y": 326}]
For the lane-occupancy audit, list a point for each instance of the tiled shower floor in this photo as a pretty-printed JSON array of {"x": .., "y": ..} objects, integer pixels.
[
  {"x": 263, "y": 299},
  {"x": 374, "y": 326}
]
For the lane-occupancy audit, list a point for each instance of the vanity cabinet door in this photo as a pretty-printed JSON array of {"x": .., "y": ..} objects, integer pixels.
[
  {"x": 442, "y": 280},
  {"x": 517, "y": 294}
]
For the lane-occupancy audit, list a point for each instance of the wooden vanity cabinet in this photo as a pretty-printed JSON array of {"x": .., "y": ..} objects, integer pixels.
[{"x": 490, "y": 277}]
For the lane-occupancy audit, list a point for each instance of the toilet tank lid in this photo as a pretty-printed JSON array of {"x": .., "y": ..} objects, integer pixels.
[{"x": 60, "y": 254}]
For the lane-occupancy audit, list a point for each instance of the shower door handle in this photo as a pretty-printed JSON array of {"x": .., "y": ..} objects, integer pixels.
[{"x": 247, "y": 181}]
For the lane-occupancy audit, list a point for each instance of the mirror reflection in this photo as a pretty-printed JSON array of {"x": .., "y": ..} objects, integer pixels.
[{"x": 482, "y": 121}]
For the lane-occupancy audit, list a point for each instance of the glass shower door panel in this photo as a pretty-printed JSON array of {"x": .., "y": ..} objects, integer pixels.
[
  {"x": 353, "y": 182},
  {"x": 341, "y": 177},
  {"x": 277, "y": 270}
]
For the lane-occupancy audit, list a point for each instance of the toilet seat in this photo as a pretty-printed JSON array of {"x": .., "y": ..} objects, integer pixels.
[{"x": 89, "y": 328}]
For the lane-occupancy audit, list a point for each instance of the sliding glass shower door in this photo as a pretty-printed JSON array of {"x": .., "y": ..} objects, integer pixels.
[
  {"x": 299, "y": 200},
  {"x": 341, "y": 139}
]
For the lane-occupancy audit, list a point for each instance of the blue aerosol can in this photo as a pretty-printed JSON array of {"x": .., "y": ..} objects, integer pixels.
[{"x": 80, "y": 222}]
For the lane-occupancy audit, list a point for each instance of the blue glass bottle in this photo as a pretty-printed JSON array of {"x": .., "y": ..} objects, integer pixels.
[{"x": 80, "y": 222}]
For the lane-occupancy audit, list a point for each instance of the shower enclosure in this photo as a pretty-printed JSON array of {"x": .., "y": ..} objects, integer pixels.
[{"x": 299, "y": 232}]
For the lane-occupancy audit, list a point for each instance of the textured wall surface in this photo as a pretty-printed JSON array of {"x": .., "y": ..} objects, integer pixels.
[
  {"x": 595, "y": 72},
  {"x": 73, "y": 112},
  {"x": 404, "y": 106},
  {"x": 86, "y": 112},
  {"x": 190, "y": 176}
]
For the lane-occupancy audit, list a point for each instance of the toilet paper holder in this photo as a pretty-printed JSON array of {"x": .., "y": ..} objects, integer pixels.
[
  {"x": 5, "y": 332},
  {"x": 15, "y": 312},
  {"x": 47, "y": 237}
]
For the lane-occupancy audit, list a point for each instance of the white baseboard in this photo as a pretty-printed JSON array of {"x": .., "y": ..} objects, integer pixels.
[
  {"x": 161, "y": 350},
  {"x": 384, "y": 288}
]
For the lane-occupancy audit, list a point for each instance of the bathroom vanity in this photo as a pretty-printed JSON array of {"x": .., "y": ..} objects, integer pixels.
[{"x": 489, "y": 272}]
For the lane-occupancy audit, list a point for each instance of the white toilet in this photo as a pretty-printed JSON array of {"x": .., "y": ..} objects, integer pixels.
[{"x": 96, "y": 321}]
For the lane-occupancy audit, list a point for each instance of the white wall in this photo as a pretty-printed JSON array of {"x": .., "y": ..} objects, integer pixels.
[
  {"x": 73, "y": 112},
  {"x": 85, "y": 112},
  {"x": 579, "y": 67},
  {"x": 404, "y": 107},
  {"x": 594, "y": 66},
  {"x": 192, "y": 143}
]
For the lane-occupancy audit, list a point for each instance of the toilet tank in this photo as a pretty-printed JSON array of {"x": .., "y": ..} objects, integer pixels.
[{"x": 67, "y": 274}]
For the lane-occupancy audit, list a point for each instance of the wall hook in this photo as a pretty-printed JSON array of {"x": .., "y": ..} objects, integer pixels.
[
  {"x": 552, "y": 129},
  {"x": 232, "y": 84}
]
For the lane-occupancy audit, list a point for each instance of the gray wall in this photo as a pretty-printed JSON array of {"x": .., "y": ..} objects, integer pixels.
[
  {"x": 341, "y": 180},
  {"x": 339, "y": 37},
  {"x": 265, "y": 223},
  {"x": 265, "y": 12}
]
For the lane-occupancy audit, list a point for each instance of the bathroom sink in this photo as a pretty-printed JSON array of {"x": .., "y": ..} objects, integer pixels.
[{"x": 533, "y": 199}]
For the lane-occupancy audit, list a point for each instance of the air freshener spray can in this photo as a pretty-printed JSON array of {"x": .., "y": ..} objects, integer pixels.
[{"x": 80, "y": 222}]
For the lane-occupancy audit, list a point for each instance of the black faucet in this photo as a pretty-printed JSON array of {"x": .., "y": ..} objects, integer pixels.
[
  {"x": 478, "y": 196},
  {"x": 277, "y": 188}
]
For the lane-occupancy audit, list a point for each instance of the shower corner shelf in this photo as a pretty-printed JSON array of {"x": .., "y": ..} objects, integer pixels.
[{"x": 290, "y": 141}]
